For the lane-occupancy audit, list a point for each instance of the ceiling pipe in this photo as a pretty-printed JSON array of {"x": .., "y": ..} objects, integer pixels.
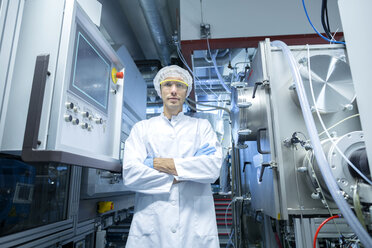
[
  {"x": 118, "y": 28},
  {"x": 156, "y": 28}
]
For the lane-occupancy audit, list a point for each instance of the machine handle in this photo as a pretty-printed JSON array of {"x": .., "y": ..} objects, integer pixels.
[
  {"x": 259, "y": 141},
  {"x": 263, "y": 166},
  {"x": 245, "y": 164},
  {"x": 256, "y": 84},
  {"x": 30, "y": 141},
  {"x": 36, "y": 102}
]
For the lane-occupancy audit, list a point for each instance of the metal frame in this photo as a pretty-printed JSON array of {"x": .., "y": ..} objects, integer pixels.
[
  {"x": 37, "y": 233},
  {"x": 49, "y": 240},
  {"x": 81, "y": 231},
  {"x": 303, "y": 232},
  {"x": 305, "y": 229}
]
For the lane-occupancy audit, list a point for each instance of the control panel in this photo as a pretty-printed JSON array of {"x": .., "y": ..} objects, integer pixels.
[
  {"x": 83, "y": 117},
  {"x": 71, "y": 98},
  {"x": 90, "y": 115},
  {"x": 86, "y": 126}
]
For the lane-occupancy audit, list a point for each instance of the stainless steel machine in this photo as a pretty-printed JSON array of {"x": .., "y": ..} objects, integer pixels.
[{"x": 282, "y": 179}]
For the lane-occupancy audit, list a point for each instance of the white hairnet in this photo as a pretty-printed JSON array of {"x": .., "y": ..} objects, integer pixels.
[{"x": 173, "y": 71}]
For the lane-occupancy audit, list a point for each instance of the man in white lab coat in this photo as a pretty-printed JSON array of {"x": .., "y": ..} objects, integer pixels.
[{"x": 170, "y": 161}]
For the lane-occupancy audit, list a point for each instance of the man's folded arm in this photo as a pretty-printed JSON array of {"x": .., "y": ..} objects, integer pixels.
[
  {"x": 204, "y": 168},
  {"x": 136, "y": 175}
]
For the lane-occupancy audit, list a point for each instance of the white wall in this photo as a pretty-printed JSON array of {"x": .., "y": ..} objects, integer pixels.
[{"x": 250, "y": 18}]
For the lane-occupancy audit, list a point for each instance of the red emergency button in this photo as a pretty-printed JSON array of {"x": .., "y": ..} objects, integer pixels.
[{"x": 120, "y": 74}]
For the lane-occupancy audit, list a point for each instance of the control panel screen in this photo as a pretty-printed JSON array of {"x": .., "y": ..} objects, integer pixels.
[{"x": 91, "y": 73}]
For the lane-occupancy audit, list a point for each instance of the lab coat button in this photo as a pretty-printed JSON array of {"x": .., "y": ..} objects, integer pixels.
[
  {"x": 173, "y": 230},
  {"x": 174, "y": 203}
]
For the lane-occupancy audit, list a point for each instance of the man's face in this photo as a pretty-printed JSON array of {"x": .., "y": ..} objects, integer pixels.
[{"x": 173, "y": 93}]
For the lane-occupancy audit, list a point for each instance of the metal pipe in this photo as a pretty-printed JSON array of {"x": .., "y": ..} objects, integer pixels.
[
  {"x": 155, "y": 25},
  {"x": 238, "y": 179},
  {"x": 236, "y": 192},
  {"x": 236, "y": 222}
]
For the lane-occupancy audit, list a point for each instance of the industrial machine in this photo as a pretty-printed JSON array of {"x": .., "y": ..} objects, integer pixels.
[
  {"x": 65, "y": 115},
  {"x": 74, "y": 111},
  {"x": 282, "y": 179}
]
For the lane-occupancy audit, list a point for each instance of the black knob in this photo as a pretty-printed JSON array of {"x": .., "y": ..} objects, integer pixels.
[
  {"x": 68, "y": 118},
  {"x": 70, "y": 105},
  {"x": 255, "y": 88},
  {"x": 263, "y": 166},
  {"x": 99, "y": 120}
]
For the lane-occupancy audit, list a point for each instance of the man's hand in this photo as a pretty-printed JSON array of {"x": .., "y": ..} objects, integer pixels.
[
  {"x": 205, "y": 150},
  {"x": 165, "y": 165},
  {"x": 149, "y": 162}
]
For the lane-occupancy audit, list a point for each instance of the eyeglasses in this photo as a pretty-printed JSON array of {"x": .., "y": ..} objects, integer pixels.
[{"x": 179, "y": 85}]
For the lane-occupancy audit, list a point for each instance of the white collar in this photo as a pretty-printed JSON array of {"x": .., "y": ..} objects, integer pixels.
[{"x": 177, "y": 117}]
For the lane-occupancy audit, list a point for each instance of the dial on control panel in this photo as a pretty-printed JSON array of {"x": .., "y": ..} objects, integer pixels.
[
  {"x": 98, "y": 120},
  {"x": 75, "y": 121},
  {"x": 84, "y": 125},
  {"x": 85, "y": 114},
  {"x": 68, "y": 118},
  {"x": 70, "y": 105}
]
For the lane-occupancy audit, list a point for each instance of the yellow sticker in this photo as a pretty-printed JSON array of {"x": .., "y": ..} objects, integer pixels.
[
  {"x": 113, "y": 75},
  {"x": 105, "y": 206}
]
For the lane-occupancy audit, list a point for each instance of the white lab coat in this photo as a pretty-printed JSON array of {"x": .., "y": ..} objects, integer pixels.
[{"x": 167, "y": 214}]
